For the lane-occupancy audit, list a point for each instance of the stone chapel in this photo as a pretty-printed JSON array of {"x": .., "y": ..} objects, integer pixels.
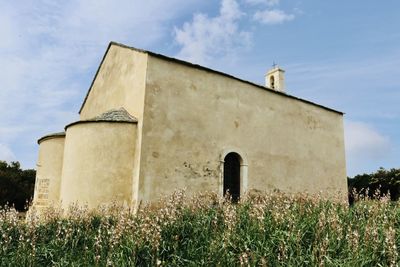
[{"x": 151, "y": 124}]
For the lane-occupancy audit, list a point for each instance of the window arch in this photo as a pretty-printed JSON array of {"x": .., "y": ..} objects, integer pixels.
[
  {"x": 233, "y": 173},
  {"x": 232, "y": 176},
  {"x": 272, "y": 82}
]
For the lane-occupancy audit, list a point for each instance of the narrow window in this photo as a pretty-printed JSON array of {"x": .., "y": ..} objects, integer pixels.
[
  {"x": 272, "y": 82},
  {"x": 232, "y": 176}
]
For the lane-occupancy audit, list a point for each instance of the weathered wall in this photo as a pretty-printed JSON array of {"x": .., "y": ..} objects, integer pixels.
[
  {"x": 98, "y": 163},
  {"x": 192, "y": 116},
  {"x": 48, "y": 174},
  {"x": 120, "y": 82}
]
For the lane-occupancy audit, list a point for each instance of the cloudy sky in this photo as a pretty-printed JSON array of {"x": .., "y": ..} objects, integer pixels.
[{"x": 341, "y": 54}]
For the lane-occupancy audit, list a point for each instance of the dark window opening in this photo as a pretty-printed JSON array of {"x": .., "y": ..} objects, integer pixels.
[
  {"x": 272, "y": 82},
  {"x": 232, "y": 176}
]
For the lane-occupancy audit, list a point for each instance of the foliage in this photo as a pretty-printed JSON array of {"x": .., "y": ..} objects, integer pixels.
[
  {"x": 376, "y": 184},
  {"x": 16, "y": 185},
  {"x": 261, "y": 230}
]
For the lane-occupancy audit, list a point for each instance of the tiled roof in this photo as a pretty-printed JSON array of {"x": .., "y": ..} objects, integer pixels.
[{"x": 115, "y": 115}]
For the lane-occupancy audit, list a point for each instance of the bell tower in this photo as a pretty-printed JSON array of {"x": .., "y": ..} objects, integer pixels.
[{"x": 275, "y": 79}]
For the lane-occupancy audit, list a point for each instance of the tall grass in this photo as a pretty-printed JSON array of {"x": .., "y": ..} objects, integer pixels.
[{"x": 270, "y": 230}]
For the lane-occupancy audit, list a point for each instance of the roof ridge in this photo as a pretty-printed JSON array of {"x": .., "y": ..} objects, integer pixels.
[{"x": 179, "y": 61}]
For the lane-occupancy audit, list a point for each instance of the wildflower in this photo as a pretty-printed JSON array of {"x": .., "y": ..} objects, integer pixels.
[{"x": 244, "y": 259}]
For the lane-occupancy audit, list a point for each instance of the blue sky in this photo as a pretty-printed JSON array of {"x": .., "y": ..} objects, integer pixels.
[{"x": 341, "y": 54}]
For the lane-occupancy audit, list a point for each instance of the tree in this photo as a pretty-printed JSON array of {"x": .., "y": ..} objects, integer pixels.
[
  {"x": 16, "y": 185},
  {"x": 385, "y": 181}
]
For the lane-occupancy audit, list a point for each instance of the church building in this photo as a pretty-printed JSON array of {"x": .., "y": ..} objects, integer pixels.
[{"x": 151, "y": 124}]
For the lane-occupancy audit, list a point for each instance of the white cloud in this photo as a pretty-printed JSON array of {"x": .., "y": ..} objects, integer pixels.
[
  {"x": 273, "y": 16},
  {"x": 204, "y": 38},
  {"x": 6, "y": 154},
  {"x": 49, "y": 52},
  {"x": 263, "y": 2},
  {"x": 364, "y": 142}
]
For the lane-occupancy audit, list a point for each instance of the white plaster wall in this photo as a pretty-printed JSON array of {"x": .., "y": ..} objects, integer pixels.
[
  {"x": 120, "y": 82},
  {"x": 191, "y": 116},
  {"x": 48, "y": 173},
  {"x": 98, "y": 164}
]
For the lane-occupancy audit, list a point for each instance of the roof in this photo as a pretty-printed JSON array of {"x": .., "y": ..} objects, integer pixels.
[
  {"x": 115, "y": 115},
  {"x": 112, "y": 115},
  {"x": 52, "y": 135},
  {"x": 201, "y": 68}
]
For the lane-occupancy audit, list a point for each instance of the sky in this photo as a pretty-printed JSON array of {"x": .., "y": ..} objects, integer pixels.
[{"x": 341, "y": 54}]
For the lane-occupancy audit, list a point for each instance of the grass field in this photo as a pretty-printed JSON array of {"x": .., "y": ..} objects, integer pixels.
[{"x": 271, "y": 230}]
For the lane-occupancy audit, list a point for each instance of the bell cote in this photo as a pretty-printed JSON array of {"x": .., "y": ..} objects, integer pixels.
[{"x": 275, "y": 79}]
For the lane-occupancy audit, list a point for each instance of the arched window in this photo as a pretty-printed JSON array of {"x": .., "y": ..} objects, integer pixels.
[
  {"x": 272, "y": 82},
  {"x": 232, "y": 176},
  {"x": 233, "y": 173}
]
